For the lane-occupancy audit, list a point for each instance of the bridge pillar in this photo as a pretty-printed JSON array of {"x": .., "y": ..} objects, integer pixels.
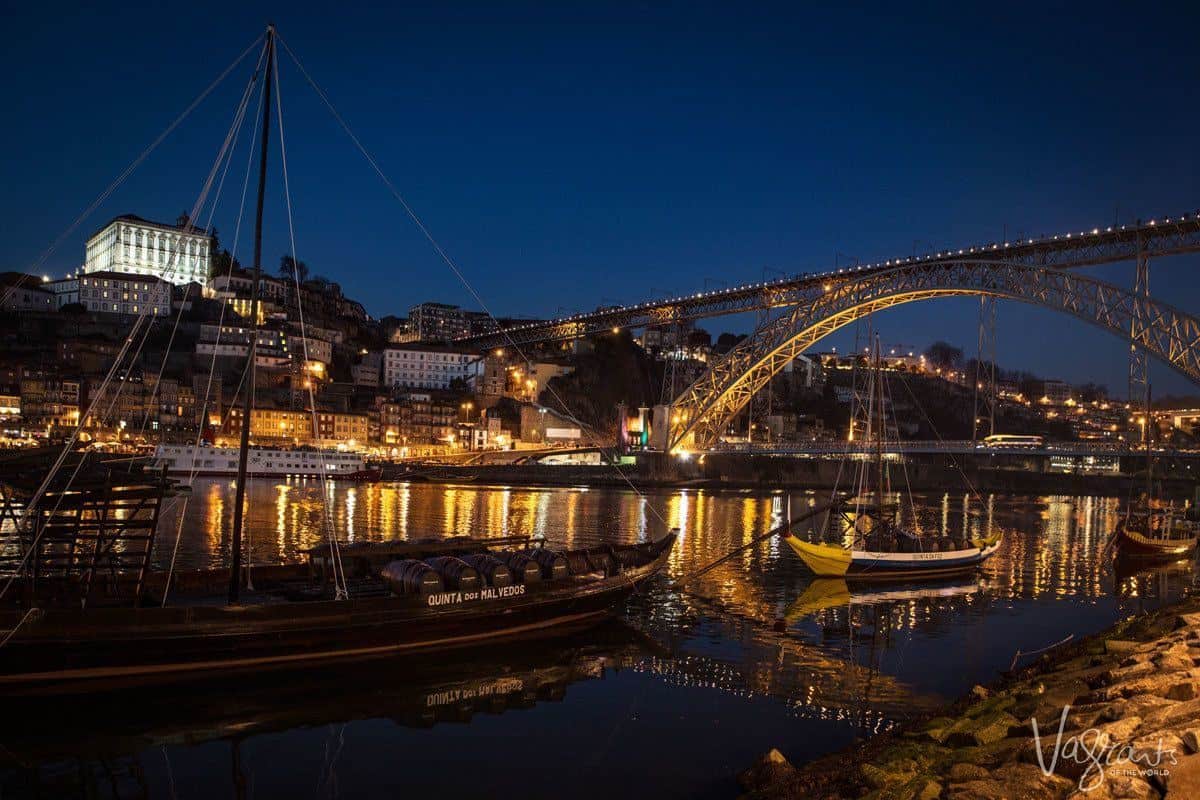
[
  {"x": 984, "y": 419},
  {"x": 1139, "y": 362}
]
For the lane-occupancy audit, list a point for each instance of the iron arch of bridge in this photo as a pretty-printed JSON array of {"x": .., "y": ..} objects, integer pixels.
[{"x": 703, "y": 412}]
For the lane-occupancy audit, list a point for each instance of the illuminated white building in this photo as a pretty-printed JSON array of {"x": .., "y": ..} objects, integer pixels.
[
  {"x": 137, "y": 246},
  {"x": 415, "y": 366}
]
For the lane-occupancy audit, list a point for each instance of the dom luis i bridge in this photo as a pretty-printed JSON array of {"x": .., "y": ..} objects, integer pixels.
[{"x": 1042, "y": 271}]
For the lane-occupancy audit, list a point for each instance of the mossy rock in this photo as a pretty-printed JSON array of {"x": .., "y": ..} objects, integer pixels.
[
  {"x": 983, "y": 730},
  {"x": 918, "y": 756},
  {"x": 919, "y": 787},
  {"x": 1000, "y": 702},
  {"x": 883, "y": 777},
  {"x": 939, "y": 723},
  {"x": 988, "y": 754}
]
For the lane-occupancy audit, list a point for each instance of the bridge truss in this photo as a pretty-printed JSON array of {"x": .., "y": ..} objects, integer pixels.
[
  {"x": 1153, "y": 239},
  {"x": 703, "y": 412}
]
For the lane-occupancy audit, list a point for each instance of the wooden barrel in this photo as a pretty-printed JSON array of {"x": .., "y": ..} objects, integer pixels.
[
  {"x": 410, "y": 576},
  {"x": 523, "y": 568},
  {"x": 554, "y": 566},
  {"x": 456, "y": 573},
  {"x": 491, "y": 568}
]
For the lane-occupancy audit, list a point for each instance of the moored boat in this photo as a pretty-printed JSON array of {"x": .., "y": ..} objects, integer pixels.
[
  {"x": 835, "y": 561},
  {"x": 1157, "y": 533},
  {"x": 398, "y": 598},
  {"x": 261, "y": 462},
  {"x": 1153, "y": 527},
  {"x": 82, "y": 610},
  {"x": 881, "y": 547}
]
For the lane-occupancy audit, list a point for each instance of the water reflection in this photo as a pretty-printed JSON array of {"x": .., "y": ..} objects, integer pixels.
[{"x": 755, "y": 655}]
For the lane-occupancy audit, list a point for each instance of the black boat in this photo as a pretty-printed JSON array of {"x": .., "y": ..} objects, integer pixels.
[
  {"x": 416, "y": 597},
  {"x": 83, "y": 610},
  {"x": 1154, "y": 529}
]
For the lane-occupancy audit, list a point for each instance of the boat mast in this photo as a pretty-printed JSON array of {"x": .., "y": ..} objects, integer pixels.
[
  {"x": 1149, "y": 455},
  {"x": 235, "y": 565},
  {"x": 879, "y": 432}
]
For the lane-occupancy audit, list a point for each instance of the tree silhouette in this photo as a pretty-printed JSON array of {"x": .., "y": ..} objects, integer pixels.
[
  {"x": 291, "y": 268},
  {"x": 944, "y": 354}
]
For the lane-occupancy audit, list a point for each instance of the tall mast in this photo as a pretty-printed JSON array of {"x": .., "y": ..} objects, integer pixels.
[
  {"x": 235, "y": 566},
  {"x": 879, "y": 431},
  {"x": 1149, "y": 455}
]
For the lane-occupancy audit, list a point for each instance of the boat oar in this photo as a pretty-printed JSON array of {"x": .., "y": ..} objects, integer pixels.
[{"x": 812, "y": 512}]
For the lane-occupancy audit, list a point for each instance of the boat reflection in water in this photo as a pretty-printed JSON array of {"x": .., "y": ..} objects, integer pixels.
[
  {"x": 417, "y": 693},
  {"x": 1149, "y": 584},
  {"x": 826, "y": 593}
]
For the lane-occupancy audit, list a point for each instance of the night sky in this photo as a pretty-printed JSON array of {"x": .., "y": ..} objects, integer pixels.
[{"x": 570, "y": 155}]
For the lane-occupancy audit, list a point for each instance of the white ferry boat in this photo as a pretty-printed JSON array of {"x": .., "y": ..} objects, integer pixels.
[{"x": 263, "y": 462}]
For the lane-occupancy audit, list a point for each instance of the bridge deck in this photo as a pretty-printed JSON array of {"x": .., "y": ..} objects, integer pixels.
[{"x": 1155, "y": 238}]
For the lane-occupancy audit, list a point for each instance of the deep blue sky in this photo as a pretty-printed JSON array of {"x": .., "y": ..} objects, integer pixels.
[{"x": 569, "y": 155}]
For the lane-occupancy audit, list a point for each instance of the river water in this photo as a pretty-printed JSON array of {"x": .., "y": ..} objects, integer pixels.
[{"x": 671, "y": 703}]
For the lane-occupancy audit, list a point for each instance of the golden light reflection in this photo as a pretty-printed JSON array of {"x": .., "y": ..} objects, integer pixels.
[
  {"x": 281, "y": 508},
  {"x": 1052, "y": 545}
]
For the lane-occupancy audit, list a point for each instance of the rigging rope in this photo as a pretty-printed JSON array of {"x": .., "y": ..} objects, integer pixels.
[
  {"x": 933, "y": 428},
  {"x": 32, "y": 504},
  {"x": 445, "y": 257},
  {"x": 235, "y": 131},
  {"x": 903, "y": 461},
  {"x": 341, "y": 590},
  {"x": 212, "y": 367}
]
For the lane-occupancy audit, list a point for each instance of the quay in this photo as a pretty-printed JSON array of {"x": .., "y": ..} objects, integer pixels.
[{"x": 1069, "y": 471}]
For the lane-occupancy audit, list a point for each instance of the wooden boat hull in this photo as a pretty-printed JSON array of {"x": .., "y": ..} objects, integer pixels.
[
  {"x": 1133, "y": 544},
  {"x": 832, "y": 561},
  {"x": 70, "y": 650}
]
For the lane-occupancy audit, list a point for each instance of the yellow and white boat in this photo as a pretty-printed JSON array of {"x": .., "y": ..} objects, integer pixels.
[{"x": 835, "y": 561}]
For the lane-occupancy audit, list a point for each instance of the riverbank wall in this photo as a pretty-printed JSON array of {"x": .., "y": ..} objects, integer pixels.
[{"x": 734, "y": 472}]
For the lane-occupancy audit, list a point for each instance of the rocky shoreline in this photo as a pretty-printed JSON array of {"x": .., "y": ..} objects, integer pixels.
[{"x": 1127, "y": 702}]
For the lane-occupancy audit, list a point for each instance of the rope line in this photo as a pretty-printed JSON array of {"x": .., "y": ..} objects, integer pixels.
[
  {"x": 445, "y": 257},
  {"x": 341, "y": 590},
  {"x": 117, "y": 362},
  {"x": 212, "y": 367}
]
